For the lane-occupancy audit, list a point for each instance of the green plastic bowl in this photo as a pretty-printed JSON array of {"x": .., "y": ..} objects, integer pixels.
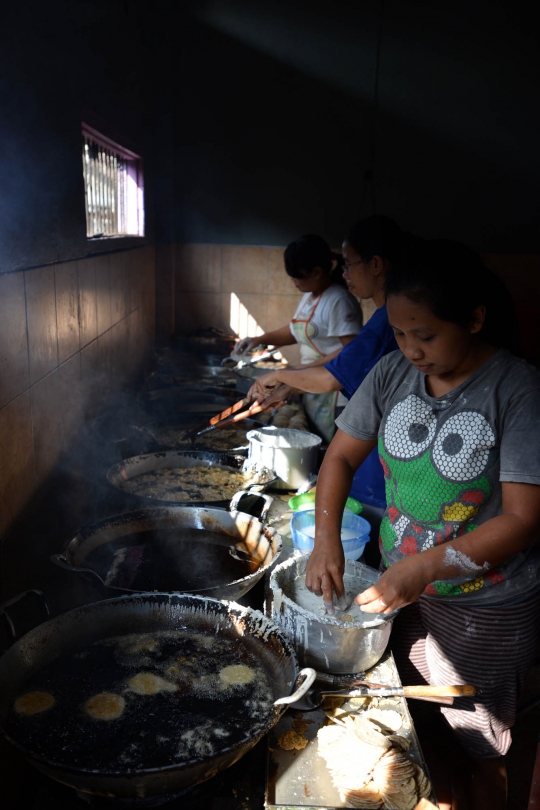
[{"x": 300, "y": 503}]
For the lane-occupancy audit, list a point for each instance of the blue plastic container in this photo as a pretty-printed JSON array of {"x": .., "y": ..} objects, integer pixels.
[{"x": 355, "y": 528}]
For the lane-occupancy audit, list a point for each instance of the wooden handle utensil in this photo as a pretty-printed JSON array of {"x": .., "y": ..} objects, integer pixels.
[
  {"x": 232, "y": 414},
  {"x": 435, "y": 694},
  {"x": 462, "y": 690},
  {"x": 243, "y": 403}
]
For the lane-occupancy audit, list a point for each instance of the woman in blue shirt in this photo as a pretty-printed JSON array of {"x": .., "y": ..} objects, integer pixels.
[{"x": 368, "y": 252}]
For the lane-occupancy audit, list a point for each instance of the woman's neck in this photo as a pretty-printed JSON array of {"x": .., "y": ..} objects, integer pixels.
[
  {"x": 439, "y": 385},
  {"x": 379, "y": 298},
  {"x": 323, "y": 285}
]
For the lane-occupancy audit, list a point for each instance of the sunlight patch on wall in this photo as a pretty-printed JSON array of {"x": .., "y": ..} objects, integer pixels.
[{"x": 241, "y": 322}]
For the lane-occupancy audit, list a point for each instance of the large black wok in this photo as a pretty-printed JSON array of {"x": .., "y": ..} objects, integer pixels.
[
  {"x": 162, "y": 431},
  {"x": 75, "y": 630},
  {"x": 177, "y": 400},
  {"x": 215, "y": 376},
  {"x": 177, "y": 549},
  {"x": 151, "y": 462}
]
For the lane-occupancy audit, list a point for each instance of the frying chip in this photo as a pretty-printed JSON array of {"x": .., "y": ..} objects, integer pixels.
[
  {"x": 291, "y": 740},
  {"x": 146, "y": 683},
  {"x": 236, "y": 675},
  {"x": 33, "y": 703},
  {"x": 105, "y": 706}
]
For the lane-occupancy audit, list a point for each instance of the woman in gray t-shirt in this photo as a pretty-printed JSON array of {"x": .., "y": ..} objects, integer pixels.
[{"x": 456, "y": 418}]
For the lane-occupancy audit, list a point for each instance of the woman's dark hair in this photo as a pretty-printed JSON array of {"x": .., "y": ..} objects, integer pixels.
[
  {"x": 452, "y": 281},
  {"x": 305, "y": 254},
  {"x": 378, "y": 236}
]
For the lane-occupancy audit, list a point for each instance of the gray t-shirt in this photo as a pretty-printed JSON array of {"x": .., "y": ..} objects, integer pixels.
[{"x": 444, "y": 459}]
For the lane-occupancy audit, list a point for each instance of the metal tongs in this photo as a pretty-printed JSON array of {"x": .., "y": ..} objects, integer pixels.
[
  {"x": 358, "y": 687},
  {"x": 229, "y": 361},
  {"x": 234, "y": 414}
]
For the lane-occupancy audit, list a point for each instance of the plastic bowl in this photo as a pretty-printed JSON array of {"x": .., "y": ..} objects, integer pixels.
[
  {"x": 355, "y": 528},
  {"x": 306, "y": 501}
]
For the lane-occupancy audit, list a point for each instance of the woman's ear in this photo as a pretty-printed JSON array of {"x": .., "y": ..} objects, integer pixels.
[
  {"x": 477, "y": 320},
  {"x": 376, "y": 265}
]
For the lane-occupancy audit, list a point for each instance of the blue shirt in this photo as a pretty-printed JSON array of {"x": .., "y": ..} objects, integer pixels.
[{"x": 350, "y": 367}]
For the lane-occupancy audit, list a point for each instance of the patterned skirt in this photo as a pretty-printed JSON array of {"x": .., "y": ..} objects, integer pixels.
[{"x": 492, "y": 648}]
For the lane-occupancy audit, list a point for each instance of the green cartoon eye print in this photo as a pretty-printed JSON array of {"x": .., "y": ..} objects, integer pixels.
[{"x": 435, "y": 480}]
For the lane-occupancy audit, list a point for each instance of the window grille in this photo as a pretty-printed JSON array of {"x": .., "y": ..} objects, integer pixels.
[{"x": 113, "y": 184}]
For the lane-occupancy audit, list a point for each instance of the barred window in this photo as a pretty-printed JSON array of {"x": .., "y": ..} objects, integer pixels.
[{"x": 113, "y": 184}]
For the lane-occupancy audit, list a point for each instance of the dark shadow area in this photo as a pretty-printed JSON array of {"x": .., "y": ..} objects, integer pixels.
[{"x": 263, "y": 150}]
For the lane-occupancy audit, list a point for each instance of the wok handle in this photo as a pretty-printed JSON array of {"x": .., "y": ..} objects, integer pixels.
[
  {"x": 461, "y": 690},
  {"x": 267, "y": 503},
  {"x": 309, "y": 678},
  {"x": 4, "y": 612},
  {"x": 61, "y": 561}
]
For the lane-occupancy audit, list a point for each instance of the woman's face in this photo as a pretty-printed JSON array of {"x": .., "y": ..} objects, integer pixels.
[
  {"x": 309, "y": 283},
  {"x": 433, "y": 346},
  {"x": 358, "y": 274}
]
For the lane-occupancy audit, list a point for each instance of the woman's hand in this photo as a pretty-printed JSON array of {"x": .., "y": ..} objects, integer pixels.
[
  {"x": 324, "y": 575},
  {"x": 263, "y": 387},
  {"x": 400, "y": 585},
  {"x": 245, "y": 345}
]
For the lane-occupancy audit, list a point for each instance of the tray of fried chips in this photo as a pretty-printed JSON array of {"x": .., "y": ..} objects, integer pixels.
[{"x": 358, "y": 752}]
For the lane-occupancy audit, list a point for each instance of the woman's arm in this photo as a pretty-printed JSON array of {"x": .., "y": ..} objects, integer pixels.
[
  {"x": 516, "y": 529},
  {"x": 344, "y": 339},
  {"x": 279, "y": 337},
  {"x": 313, "y": 380},
  {"x": 324, "y": 573},
  {"x": 320, "y": 362}
]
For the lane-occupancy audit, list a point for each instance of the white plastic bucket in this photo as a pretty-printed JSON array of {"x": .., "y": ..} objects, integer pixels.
[{"x": 292, "y": 454}]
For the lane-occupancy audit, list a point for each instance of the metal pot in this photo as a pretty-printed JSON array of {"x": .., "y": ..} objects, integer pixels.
[
  {"x": 100, "y": 551},
  {"x": 292, "y": 454},
  {"x": 77, "y": 629},
  {"x": 150, "y": 462},
  {"x": 323, "y": 642}
]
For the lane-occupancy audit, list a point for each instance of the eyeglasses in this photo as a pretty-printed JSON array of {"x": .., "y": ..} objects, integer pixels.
[{"x": 347, "y": 267}]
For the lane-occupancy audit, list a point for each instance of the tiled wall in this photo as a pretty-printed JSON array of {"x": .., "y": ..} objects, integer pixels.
[
  {"x": 222, "y": 285},
  {"x": 198, "y": 283},
  {"x": 70, "y": 334}
]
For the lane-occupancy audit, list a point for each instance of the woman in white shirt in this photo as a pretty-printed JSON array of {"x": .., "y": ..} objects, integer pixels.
[{"x": 327, "y": 318}]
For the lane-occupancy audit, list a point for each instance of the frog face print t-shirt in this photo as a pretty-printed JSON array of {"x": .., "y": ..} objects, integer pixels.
[{"x": 445, "y": 458}]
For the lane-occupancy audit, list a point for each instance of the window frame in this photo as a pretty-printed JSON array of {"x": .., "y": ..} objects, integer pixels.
[{"x": 135, "y": 170}]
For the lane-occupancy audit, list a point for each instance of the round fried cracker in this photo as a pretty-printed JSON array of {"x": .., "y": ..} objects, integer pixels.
[
  {"x": 34, "y": 703},
  {"x": 105, "y": 706}
]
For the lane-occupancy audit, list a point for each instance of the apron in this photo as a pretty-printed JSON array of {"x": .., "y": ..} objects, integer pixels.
[{"x": 321, "y": 408}]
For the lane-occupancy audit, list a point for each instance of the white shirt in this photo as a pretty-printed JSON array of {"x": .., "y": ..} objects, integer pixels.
[{"x": 337, "y": 314}]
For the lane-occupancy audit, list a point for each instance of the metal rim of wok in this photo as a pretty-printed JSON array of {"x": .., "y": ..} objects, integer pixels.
[
  {"x": 33, "y": 645},
  {"x": 183, "y": 399},
  {"x": 74, "y": 555},
  {"x": 169, "y": 459},
  {"x": 251, "y": 372}
]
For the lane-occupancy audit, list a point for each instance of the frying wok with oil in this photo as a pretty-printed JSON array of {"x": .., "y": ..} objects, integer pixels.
[
  {"x": 162, "y": 431},
  {"x": 168, "y": 402},
  {"x": 176, "y": 549},
  {"x": 123, "y": 471},
  {"x": 72, "y": 632}
]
